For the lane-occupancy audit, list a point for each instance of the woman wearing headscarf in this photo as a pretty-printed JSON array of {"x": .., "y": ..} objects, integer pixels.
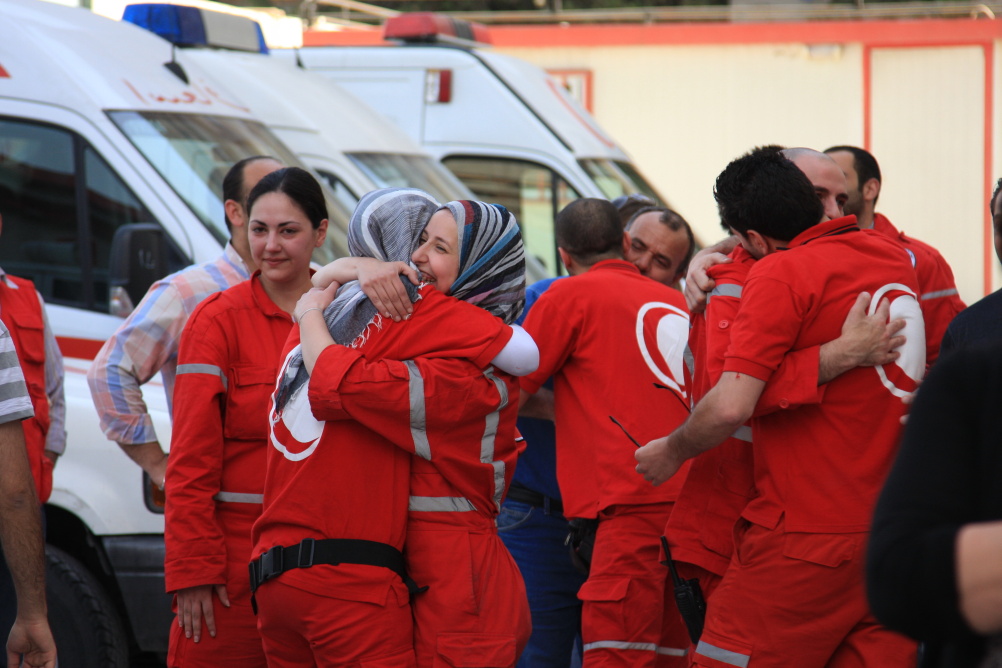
[{"x": 348, "y": 477}]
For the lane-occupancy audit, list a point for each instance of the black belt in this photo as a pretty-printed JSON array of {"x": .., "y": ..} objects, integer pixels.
[
  {"x": 331, "y": 551},
  {"x": 529, "y": 497}
]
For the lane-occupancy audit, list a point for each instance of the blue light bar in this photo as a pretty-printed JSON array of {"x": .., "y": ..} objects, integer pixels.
[{"x": 195, "y": 27}]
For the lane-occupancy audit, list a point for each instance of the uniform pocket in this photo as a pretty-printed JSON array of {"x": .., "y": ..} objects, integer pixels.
[
  {"x": 474, "y": 650},
  {"x": 511, "y": 518},
  {"x": 247, "y": 402},
  {"x": 822, "y": 549}
]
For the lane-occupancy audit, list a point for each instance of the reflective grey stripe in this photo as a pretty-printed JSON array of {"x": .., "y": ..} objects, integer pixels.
[
  {"x": 419, "y": 425},
  {"x": 938, "y": 294},
  {"x": 726, "y": 290},
  {"x": 672, "y": 651},
  {"x": 440, "y": 504},
  {"x": 239, "y": 497},
  {"x": 620, "y": 644},
  {"x": 743, "y": 433},
  {"x": 722, "y": 655},
  {"x": 689, "y": 360},
  {"x": 490, "y": 435},
  {"x": 209, "y": 369}
]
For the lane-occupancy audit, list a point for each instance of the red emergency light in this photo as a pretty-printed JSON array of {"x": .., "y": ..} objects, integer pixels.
[
  {"x": 428, "y": 27},
  {"x": 3, "y": 73}
]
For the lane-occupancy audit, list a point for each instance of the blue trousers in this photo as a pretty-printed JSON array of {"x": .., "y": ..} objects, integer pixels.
[{"x": 535, "y": 537}]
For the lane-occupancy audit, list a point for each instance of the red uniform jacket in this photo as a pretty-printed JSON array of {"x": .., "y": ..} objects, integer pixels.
[
  {"x": 227, "y": 365},
  {"x": 823, "y": 465},
  {"x": 21, "y": 312}
]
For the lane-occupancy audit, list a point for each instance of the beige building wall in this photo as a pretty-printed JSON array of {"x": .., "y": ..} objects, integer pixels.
[{"x": 683, "y": 111}]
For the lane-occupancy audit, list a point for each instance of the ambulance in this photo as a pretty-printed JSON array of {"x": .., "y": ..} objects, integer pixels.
[
  {"x": 345, "y": 141},
  {"x": 112, "y": 153},
  {"x": 505, "y": 127}
]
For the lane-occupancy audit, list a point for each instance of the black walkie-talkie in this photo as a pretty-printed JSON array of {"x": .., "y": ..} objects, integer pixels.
[{"x": 688, "y": 597}]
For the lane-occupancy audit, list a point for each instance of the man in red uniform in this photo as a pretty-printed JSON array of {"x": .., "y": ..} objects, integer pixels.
[
  {"x": 607, "y": 335},
  {"x": 793, "y": 593},
  {"x": 937, "y": 288},
  {"x": 721, "y": 481}
]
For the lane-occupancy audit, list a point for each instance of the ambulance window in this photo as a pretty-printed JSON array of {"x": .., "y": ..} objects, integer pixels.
[
  {"x": 61, "y": 205},
  {"x": 341, "y": 191},
  {"x": 533, "y": 192},
  {"x": 615, "y": 179}
]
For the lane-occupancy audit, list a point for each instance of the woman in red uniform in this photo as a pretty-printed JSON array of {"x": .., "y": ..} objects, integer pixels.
[
  {"x": 447, "y": 404},
  {"x": 227, "y": 365}
]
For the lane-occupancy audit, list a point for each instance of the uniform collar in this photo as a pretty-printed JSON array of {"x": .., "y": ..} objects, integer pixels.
[
  {"x": 262, "y": 300},
  {"x": 614, "y": 264},
  {"x": 829, "y": 228}
]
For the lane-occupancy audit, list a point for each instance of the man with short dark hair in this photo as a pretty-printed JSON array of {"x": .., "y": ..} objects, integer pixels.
[
  {"x": 608, "y": 336},
  {"x": 938, "y": 294},
  {"x": 795, "y": 597},
  {"x": 147, "y": 342},
  {"x": 660, "y": 244}
]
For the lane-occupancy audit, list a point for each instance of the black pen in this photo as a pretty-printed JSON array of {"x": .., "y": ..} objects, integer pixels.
[{"x": 616, "y": 422}]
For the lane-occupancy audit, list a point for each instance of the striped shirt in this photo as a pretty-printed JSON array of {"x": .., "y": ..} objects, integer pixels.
[
  {"x": 15, "y": 404},
  {"x": 147, "y": 343}
]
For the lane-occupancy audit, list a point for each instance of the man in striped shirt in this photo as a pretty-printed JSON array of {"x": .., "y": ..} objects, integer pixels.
[
  {"x": 148, "y": 340},
  {"x": 30, "y": 638}
]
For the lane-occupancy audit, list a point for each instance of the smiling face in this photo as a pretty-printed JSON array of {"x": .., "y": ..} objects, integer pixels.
[
  {"x": 282, "y": 239},
  {"x": 437, "y": 255}
]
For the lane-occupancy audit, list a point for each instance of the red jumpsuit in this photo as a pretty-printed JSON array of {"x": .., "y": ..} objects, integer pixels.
[
  {"x": 227, "y": 364},
  {"x": 937, "y": 288},
  {"x": 721, "y": 481},
  {"x": 350, "y": 391},
  {"x": 21, "y": 312},
  {"x": 607, "y": 336},
  {"x": 793, "y": 592}
]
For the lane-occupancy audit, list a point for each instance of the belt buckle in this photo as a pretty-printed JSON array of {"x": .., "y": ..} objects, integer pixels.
[
  {"x": 306, "y": 549},
  {"x": 271, "y": 563}
]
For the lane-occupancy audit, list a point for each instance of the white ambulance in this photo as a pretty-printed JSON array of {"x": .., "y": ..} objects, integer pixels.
[
  {"x": 506, "y": 128},
  {"x": 112, "y": 152},
  {"x": 342, "y": 138}
]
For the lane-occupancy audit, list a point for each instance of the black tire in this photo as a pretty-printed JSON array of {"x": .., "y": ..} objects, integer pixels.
[{"x": 86, "y": 626}]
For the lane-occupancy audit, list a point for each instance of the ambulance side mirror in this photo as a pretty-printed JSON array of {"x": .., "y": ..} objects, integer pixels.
[{"x": 138, "y": 258}]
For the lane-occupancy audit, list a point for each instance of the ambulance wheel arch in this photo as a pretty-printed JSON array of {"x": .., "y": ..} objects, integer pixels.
[{"x": 95, "y": 639}]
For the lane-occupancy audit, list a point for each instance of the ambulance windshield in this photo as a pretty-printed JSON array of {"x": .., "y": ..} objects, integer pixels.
[
  {"x": 396, "y": 170},
  {"x": 193, "y": 153},
  {"x": 617, "y": 177}
]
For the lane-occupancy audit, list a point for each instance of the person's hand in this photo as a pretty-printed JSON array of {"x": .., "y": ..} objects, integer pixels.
[
  {"x": 656, "y": 462},
  {"x": 697, "y": 283},
  {"x": 315, "y": 299},
  {"x": 380, "y": 283},
  {"x": 871, "y": 340},
  {"x": 194, "y": 604},
  {"x": 31, "y": 641},
  {"x": 157, "y": 471}
]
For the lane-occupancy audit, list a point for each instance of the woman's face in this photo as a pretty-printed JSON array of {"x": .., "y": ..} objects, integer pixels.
[
  {"x": 282, "y": 239},
  {"x": 437, "y": 256}
]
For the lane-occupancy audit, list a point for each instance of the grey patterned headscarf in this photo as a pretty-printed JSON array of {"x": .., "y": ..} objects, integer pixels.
[{"x": 386, "y": 225}]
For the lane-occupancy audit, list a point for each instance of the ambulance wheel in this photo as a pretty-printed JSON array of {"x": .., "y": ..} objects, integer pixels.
[{"x": 85, "y": 623}]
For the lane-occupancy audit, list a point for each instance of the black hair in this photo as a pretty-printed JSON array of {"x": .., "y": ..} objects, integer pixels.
[
  {"x": 300, "y": 186},
  {"x": 588, "y": 229},
  {"x": 862, "y": 161},
  {"x": 233, "y": 182},
  {"x": 765, "y": 192},
  {"x": 675, "y": 222}
]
